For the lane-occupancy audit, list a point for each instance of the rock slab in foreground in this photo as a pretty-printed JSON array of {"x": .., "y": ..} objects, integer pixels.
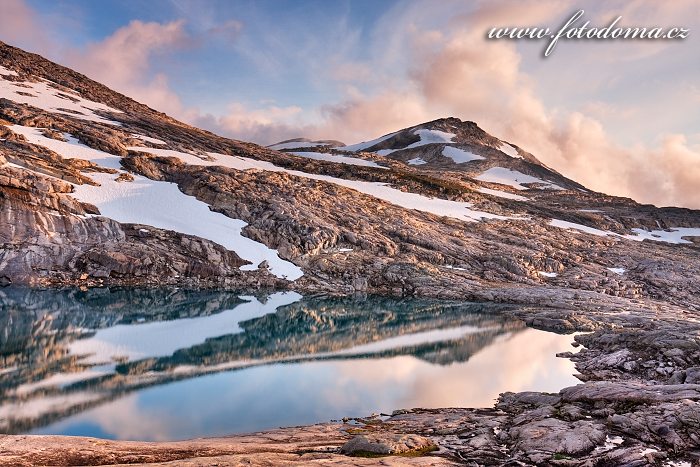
[
  {"x": 310, "y": 445},
  {"x": 386, "y": 444}
]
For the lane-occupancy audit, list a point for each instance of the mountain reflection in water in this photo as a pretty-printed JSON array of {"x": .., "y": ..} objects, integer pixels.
[{"x": 173, "y": 364}]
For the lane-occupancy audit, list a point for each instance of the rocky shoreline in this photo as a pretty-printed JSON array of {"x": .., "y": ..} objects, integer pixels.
[{"x": 639, "y": 405}]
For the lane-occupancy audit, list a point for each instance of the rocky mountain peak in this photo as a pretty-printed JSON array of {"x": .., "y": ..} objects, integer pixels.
[{"x": 430, "y": 138}]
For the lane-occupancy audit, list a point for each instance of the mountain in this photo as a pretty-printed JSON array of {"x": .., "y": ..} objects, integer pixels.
[
  {"x": 98, "y": 189},
  {"x": 448, "y": 144}
]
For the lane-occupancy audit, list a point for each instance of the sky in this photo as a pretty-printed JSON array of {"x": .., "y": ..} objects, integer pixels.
[{"x": 618, "y": 116}]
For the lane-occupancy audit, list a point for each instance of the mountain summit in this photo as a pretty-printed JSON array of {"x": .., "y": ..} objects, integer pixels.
[
  {"x": 97, "y": 189},
  {"x": 446, "y": 145}
]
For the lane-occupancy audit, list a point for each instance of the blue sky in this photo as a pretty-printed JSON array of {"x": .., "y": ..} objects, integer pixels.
[
  {"x": 619, "y": 116},
  {"x": 258, "y": 63}
]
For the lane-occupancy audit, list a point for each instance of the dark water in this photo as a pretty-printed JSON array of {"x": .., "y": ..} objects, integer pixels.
[{"x": 175, "y": 364}]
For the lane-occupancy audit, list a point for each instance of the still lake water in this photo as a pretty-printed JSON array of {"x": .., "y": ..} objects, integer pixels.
[{"x": 176, "y": 364}]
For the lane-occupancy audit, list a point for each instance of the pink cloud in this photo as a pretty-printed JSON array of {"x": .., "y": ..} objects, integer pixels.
[
  {"x": 267, "y": 124},
  {"x": 123, "y": 60},
  {"x": 19, "y": 26}
]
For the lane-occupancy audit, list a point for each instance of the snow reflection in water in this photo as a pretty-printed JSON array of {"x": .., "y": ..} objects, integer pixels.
[{"x": 174, "y": 364}]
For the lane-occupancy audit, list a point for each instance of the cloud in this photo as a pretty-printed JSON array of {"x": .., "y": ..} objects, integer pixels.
[
  {"x": 122, "y": 61},
  {"x": 20, "y": 26},
  {"x": 265, "y": 125}
]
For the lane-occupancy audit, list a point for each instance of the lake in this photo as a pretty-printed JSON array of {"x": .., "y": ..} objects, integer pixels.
[{"x": 167, "y": 364}]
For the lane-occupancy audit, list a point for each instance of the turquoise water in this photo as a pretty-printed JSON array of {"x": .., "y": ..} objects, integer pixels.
[{"x": 175, "y": 364}]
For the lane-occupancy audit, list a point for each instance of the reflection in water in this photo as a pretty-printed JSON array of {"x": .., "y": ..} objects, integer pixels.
[{"x": 174, "y": 364}]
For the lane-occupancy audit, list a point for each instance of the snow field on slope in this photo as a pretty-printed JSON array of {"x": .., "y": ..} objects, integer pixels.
[
  {"x": 501, "y": 194},
  {"x": 365, "y": 144},
  {"x": 513, "y": 178},
  {"x": 441, "y": 207},
  {"x": 510, "y": 150},
  {"x": 161, "y": 205},
  {"x": 426, "y": 137},
  {"x": 5, "y": 72},
  {"x": 460, "y": 156},
  {"x": 673, "y": 235},
  {"x": 44, "y": 97},
  {"x": 323, "y": 156}
]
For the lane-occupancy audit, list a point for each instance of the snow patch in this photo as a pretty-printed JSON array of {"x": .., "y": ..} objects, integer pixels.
[
  {"x": 16, "y": 166},
  {"x": 618, "y": 271},
  {"x": 71, "y": 149},
  {"x": 431, "y": 137},
  {"x": 677, "y": 464},
  {"x": 45, "y": 97},
  {"x": 673, "y": 235},
  {"x": 366, "y": 144},
  {"x": 148, "y": 139},
  {"x": 583, "y": 228},
  {"x": 547, "y": 274},
  {"x": 163, "y": 338},
  {"x": 514, "y": 178},
  {"x": 502, "y": 194},
  {"x": 590, "y": 210},
  {"x": 322, "y": 156},
  {"x": 5, "y": 72},
  {"x": 441, "y": 207},
  {"x": 460, "y": 156},
  {"x": 510, "y": 150},
  {"x": 426, "y": 137},
  {"x": 161, "y": 205},
  {"x": 416, "y": 161}
]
